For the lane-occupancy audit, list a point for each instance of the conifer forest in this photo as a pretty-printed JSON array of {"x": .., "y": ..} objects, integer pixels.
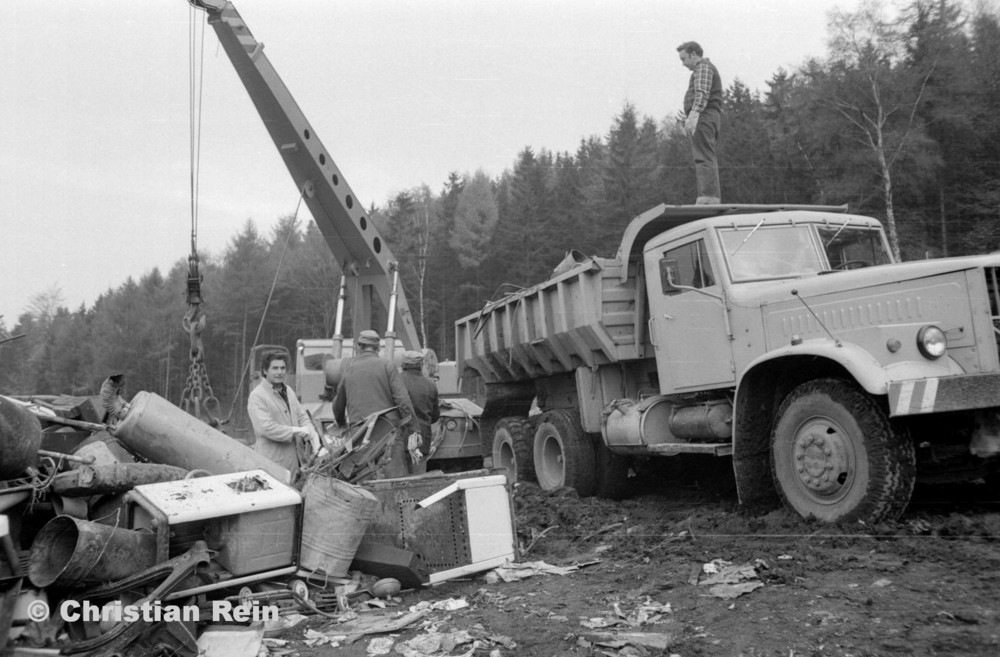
[{"x": 899, "y": 120}]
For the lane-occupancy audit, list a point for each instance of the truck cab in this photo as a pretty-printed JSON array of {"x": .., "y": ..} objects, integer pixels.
[{"x": 707, "y": 280}]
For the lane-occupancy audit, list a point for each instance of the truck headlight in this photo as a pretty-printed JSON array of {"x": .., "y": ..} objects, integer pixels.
[{"x": 931, "y": 342}]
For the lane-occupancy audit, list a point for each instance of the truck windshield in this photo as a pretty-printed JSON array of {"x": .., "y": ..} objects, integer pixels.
[
  {"x": 853, "y": 247},
  {"x": 753, "y": 253}
]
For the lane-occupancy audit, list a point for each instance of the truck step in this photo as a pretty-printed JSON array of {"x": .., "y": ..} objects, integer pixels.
[{"x": 669, "y": 449}]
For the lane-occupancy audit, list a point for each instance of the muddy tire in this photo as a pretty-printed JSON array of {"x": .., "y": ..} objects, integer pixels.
[
  {"x": 836, "y": 456},
  {"x": 611, "y": 473},
  {"x": 564, "y": 454},
  {"x": 513, "y": 448}
]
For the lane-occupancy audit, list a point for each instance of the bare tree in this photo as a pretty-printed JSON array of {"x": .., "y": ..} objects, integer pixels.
[{"x": 871, "y": 90}]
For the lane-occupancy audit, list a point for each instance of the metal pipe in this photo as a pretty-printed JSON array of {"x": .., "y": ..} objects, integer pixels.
[
  {"x": 79, "y": 424},
  {"x": 338, "y": 325},
  {"x": 86, "y": 460},
  {"x": 390, "y": 332},
  {"x": 236, "y": 581}
]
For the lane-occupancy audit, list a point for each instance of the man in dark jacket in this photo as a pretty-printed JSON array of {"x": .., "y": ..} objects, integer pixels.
[
  {"x": 424, "y": 397},
  {"x": 370, "y": 384}
]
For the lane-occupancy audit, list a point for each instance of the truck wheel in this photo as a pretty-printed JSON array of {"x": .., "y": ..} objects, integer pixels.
[
  {"x": 512, "y": 448},
  {"x": 611, "y": 473},
  {"x": 564, "y": 454},
  {"x": 836, "y": 456}
]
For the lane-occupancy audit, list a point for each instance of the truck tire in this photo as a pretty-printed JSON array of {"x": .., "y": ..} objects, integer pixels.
[
  {"x": 611, "y": 473},
  {"x": 513, "y": 443},
  {"x": 564, "y": 454},
  {"x": 836, "y": 456}
]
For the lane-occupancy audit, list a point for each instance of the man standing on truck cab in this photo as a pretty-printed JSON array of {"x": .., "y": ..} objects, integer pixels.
[
  {"x": 703, "y": 112},
  {"x": 370, "y": 385},
  {"x": 424, "y": 396},
  {"x": 279, "y": 421}
]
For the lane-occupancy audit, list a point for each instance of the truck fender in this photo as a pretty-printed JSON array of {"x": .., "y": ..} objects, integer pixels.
[
  {"x": 859, "y": 363},
  {"x": 757, "y": 400}
]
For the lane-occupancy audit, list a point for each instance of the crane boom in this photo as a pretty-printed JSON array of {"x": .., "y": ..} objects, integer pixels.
[{"x": 350, "y": 234}]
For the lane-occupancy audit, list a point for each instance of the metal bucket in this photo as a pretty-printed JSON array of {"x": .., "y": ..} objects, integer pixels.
[
  {"x": 73, "y": 552},
  {"x": 163, "y": 433},
  {"x": 334, "y": 518},
  {"x": 20, "y": 439}
]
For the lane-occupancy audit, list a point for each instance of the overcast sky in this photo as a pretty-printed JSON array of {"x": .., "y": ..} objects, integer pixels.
[{"x": 94, "y": 109}]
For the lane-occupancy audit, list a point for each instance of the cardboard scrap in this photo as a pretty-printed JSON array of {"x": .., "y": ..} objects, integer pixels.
[
  {"x": 314, "y": 638},
  {"x": 433, "y": 644},
  {"x": 381, "y": 645},
  {"x": 503, "y": 640},
  {"x": 365, "y": 625},
  {"x": 231, "y": 640},
  {"x": 618, "y": 640},
  {"x": 515, "y": 572},
  {"x": 646, "y": 612},
  {"x": 282, "y": 623},
  {"x": 730, "y": 591},
  {"x": 730, "y": 575},
  {"x": 600, "y": 622},
  {"x": 451, "y": 604},
  {"x": 728, "y": 581}
]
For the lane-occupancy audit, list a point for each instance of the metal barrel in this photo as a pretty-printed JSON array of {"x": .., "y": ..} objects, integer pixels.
[
  {"x": 20, "y": 439},
  {"x": 72, "y": 552},
  {"x": 163, "y": 433}
]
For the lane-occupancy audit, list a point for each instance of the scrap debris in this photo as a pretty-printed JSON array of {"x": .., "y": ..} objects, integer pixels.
[
  {"x": 728, "y": 581},
  {"x": 623, "y": 641},
  {"x": 223, "y": 536},
  {"x": 646, "y": 612},
  {"x": 249, "y": 483},
  {"x": 515, "y": 572}
]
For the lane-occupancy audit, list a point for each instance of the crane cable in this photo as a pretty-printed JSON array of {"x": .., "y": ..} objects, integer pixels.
[{"x": 197, "y": 397}]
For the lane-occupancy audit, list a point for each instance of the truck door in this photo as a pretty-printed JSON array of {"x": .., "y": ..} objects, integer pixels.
[{"x": 689, "y": 324}]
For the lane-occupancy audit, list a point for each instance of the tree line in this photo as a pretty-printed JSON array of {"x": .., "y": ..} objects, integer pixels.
[{"x": 898, "y": 120}]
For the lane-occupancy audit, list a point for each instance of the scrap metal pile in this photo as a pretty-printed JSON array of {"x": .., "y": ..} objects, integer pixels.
[{"x": 133, "y": 528}]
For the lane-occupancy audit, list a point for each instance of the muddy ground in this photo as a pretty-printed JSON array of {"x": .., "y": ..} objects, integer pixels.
[{"x": 927, "y": 584}]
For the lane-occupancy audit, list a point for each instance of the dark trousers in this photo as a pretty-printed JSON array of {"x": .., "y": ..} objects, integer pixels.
[{"x": 706, "y": 163}]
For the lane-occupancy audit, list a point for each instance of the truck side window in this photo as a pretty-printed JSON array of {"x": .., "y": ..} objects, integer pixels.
[{"x": 688, "y": 266}]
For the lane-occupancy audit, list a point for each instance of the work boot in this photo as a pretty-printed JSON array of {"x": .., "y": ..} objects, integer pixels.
[{"x": 707, "y": 200}]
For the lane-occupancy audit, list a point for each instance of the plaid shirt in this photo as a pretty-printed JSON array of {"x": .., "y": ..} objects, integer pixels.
[{"x": 699, "y": 87}]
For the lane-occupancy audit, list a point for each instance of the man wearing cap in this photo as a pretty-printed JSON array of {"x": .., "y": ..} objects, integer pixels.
[
  {"x": 278, "y": 420},
  {"x": 424, "y": 396},
  {"x": 370, "y": 384}
]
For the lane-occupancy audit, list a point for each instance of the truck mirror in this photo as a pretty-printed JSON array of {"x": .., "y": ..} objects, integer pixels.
[{"x": 668, "y": 275}]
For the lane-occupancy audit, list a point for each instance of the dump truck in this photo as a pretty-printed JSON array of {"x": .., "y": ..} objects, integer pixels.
[{"x": 786, "y": 338}]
